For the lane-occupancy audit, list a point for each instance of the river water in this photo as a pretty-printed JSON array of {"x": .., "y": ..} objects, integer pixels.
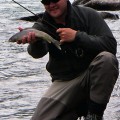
[{"x": 23, "y": 80}]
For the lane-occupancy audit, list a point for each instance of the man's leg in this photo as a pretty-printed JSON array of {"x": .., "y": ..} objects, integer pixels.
[
  {"x": 103, "y": 73},
  {"x": 49, "y": 109},
  {"x": 61, "y": 100}
]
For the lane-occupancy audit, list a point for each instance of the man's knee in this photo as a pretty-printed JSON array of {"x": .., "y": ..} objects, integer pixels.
[
  {"x": 107, "y": 56},
  {"x": 103, "y": 75},
  {"x": 105, "y": 59}
]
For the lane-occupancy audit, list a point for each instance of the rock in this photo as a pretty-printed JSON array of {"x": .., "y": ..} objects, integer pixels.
[
  {"x": 33, "y": 18},
  {"x": 103, "y": 5},
  {"x": 95, "y": 4},
  {"x": 107, "y": 15},
  {"x": 76, "y": 2},
  {"x": 99, "y": 4}
]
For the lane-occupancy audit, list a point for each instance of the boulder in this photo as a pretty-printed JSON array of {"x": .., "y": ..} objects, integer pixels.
[
  {"x": 108, "y": 15},
  {"x": 101, "y": 5},
  {"x": 33, "y": 18}
]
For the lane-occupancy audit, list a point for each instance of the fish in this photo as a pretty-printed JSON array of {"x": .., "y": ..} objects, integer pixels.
[{"x": 39, "y": 34}]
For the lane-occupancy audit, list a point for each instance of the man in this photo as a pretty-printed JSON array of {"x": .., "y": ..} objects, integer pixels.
[{"x": 84, "y": 72}]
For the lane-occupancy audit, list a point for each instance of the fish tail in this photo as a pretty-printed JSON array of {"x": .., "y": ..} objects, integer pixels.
[{"x": 57, "y": 44}]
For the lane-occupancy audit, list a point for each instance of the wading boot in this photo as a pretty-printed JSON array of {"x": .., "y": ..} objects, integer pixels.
[{"x": 91, "y": 116}]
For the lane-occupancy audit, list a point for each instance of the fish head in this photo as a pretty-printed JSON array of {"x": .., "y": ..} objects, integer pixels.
[
  {"x": 18, "y": 36},
  {"x": 14, "y": 38}
]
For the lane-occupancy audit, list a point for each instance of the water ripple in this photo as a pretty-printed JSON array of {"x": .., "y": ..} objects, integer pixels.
[{"x": 23, "y": 80}]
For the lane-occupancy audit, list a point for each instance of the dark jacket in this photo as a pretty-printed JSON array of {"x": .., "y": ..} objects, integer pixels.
[{"x": 93, "y": 37}]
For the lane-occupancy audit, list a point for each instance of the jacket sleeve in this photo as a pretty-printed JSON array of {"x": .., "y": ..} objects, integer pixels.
[
  {"x": 98, "y": 36},
  {"x": 39, "y": 48}
]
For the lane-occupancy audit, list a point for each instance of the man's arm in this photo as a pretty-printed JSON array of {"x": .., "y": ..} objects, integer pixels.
[
  {"x": 98, "y": 38},
  {"x": 39, "y": 48}
]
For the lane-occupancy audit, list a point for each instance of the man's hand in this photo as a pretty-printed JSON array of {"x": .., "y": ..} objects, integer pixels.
[
  {"x": 28, "y": 38},
  {"x": 66, "y": 34}
]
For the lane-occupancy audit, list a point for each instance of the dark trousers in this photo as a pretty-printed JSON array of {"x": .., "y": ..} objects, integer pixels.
[{"x": 67, "y": 100}]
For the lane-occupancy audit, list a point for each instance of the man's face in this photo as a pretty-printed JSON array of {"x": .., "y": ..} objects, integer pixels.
[{"x": 56, "y": 9}]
